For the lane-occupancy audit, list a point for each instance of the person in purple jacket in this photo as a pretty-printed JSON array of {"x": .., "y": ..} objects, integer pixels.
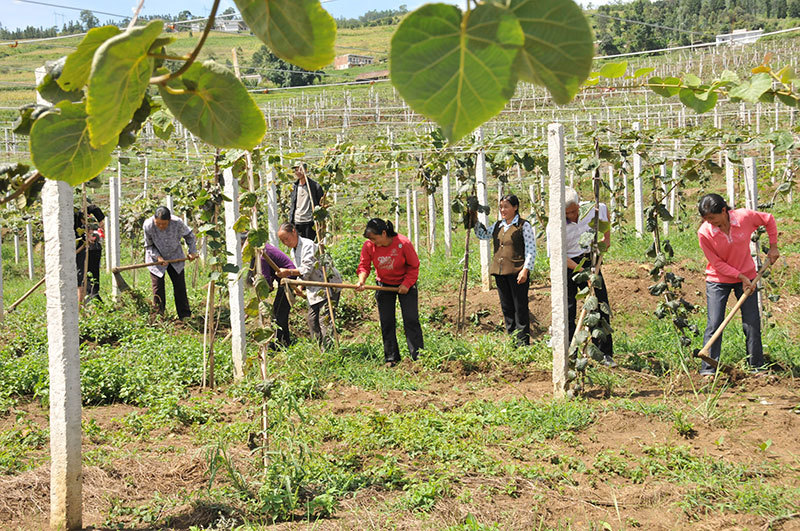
[{"x": 281, "y": 307}]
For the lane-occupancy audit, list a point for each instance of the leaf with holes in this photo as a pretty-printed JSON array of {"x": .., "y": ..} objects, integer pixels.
[
  {"x": 79, "y": 63},
  {"x": 120, "y": 74},
  {"x": 558, "y": 47},
  {"x": 214, "y": 105},
  {"x": 456, "y": 68},
  {"x": 298, "y": 31},
  {"x": 60, "y": 146}
]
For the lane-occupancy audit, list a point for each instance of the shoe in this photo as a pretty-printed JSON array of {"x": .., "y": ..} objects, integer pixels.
[
  {"x": 608, "y": 361},
  {"x": 390, "y": 364},
  {"x": 709, "y": 373}
]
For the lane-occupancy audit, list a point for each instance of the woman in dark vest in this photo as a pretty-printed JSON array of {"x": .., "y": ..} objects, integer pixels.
[{"x": 514, "y": 255}]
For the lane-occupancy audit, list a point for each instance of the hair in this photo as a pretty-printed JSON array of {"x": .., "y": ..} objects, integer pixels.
[
  {"x": 377, "y": 226},
  {"x": 512, "y": 199},
  {"x": 299, "y": 164},
  {"x": 286, "y": 227},
  {"x": 163, "y": 213},
  {"x": 711, "y": 204},
  {"x": 571, "y": 197}
]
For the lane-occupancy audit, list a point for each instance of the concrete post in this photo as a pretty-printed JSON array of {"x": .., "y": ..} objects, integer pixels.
[
  {"x": 638, "y": 189},
  {"x": 557, "y": 243},
  {"x": 169, "y": 204},
  {"x": 730, "y": 180},
  {"x": 108, "y": 245},
  {"x": 2, "y": 307},
  {"x": 613, "y": 201},
  {"x": 664, "y": 200},
  {"x": 448, "y": 244},
  {"x": 416, "y": 219},
  {"x": 751, "y": 202},
  {"x": 16, "y": 248},
  {"x": 396, "y": 195},
  {"x": 113, "y": 256},
  {"x": 409, "y": 227},
  {"x": 29, "y": 248},
  {"x": 483, "y": 199},
  {"x": 233, "y": 245},
  {"x": 431, "y": 223}
]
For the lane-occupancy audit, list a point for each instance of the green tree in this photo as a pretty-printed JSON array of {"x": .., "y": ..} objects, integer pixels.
[
  {"x": 280, "y": 72},
  {"x": 88, "y": 20}
]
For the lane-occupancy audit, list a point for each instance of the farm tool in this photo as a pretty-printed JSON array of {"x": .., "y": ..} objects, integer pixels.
[
  {"x": 34, "y": 288},
  {"x": 290, "y": 283},
  {"x": 703, "y": 353},
  {"x": 122, "y": 285}
]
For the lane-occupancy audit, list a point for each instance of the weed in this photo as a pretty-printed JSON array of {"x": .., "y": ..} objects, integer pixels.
[{"x": 684, "y": 428}]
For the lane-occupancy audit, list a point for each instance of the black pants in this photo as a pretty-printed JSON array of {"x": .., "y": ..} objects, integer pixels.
[
  {"x": 409, "y": 307},
  {"x": 606, "y": 345},
  {"x": 306, "y": 230},
  {"x": 717, "y": 298},
  {"x": 178, "y": 290},
  {"x": 514, "y": 303},
  {"x": 280, "y": 313},
  {"x": 93, "y": 283}
]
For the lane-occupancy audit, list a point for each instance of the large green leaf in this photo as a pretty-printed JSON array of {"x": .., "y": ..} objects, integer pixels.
[
  {"x": 457, "y": 74},
  {"x": 700, "y": 102},
  {"x": 120, "y": 74},
  {"x": 559, "y": 45},
  {"x": 49, "y": 87},
  {"x": 79, "y": 63},
  {"x": 298, "y": 31},
  {"x": 60, "y": 147},
  {"x": 752, "y": 89},
  {"x": 214, "y": 105}
]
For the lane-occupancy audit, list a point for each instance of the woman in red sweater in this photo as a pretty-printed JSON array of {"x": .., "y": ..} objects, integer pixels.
[
  {"x": 725, "y": 239},
  {"x": 396, "y": 265}
]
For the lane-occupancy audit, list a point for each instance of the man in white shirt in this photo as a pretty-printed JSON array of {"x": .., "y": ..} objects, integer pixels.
[{"x": 576, "y": 227}]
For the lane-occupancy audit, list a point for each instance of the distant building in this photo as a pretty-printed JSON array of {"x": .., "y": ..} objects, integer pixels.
[
  {"x": 373, "y": 76},
  {"x": 232, "y": 26},
  {"x": 740, "y": 36},
  {"x": 196, "y": 27},
  {"x": 347, "y": 61},
  {"x": 254, "y": 78}
]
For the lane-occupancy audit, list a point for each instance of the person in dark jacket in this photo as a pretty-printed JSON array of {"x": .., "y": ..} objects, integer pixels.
[
  {"x": 92, "y": 237},
  {"x": 514, "y": 256},
  {"x": 281, "y": 307},
  {"x": 306, "y": 195}
]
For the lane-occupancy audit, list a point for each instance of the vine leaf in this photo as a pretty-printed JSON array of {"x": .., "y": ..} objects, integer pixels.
[
  {"x": 214, "y": 105},
  {"x": 79, "y": 63},
  {"x": 672, "y": 88},
  {"x": 559, "y": 46},
  {"x": 298, "y": 31},
  {"x": 457, "y": 74},
  {"x": 751, "y": 89},
  {"x": 49, "y": 88},
  {"x": 60, "y": 147},
  {"x": 120, "y": 74},
  {"x": 700, "y": 102},
  {"x": 163, "y": 126}
]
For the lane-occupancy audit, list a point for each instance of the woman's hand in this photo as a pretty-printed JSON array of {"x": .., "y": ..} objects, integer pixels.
[
  {"x": 403, "y": 289},
  {"x": 746, "y": 284},
  {"x": 282, "y": 273},
  {"x": 773, "y": 254},
  {"x": 522, "y": 277},
  {"x": 360, "y": 285}
]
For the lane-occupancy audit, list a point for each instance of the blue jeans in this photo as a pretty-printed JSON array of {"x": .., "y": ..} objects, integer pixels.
[{"x": 717, "y": 299}]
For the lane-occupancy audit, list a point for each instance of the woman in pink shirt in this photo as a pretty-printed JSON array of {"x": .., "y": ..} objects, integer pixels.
[
  {"x": 396, "y": 265},
  {"x": 725, "y": 239}
]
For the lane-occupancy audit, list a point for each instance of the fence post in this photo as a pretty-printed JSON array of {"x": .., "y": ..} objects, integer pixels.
[
  {"x": 638, "y": 191},
  {"x": 446, "y": 213},
  {"x": 483, "y": 199},
  {"x": 233, "y": 245}
]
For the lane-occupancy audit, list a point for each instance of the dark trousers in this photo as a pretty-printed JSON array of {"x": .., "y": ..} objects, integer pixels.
[
  {"x": 606, "y": 345},
  {"x": 280, "y": 313},
  {"x": 178, "y": 289},
  {"x": 717, "y": 299},
  {"x": 319, "y": 319},
  {"x": 409, "y": 307},
  {"x": 93, "y": 282},
  {"x": 306, "y": 230},
  {"x": 514, "y": 303}
]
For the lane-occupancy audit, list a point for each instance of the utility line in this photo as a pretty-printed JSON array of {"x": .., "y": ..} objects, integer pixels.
[
  {"x": 650, "y": 24},
  {"x": 72, "y": 8}
]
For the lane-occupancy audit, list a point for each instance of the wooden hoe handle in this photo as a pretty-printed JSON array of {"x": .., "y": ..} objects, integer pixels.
[{"x": 146, "y": 264}]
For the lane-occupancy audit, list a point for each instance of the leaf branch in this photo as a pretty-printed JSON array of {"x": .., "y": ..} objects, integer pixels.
[{"x": 27, "y": 183}]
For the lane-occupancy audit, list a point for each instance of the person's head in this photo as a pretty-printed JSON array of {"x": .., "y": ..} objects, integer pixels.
[
  {"x": 509, "y": 206},
  {"x": 300, "y": 170},
  {"x": 714, "y": 209},
  {"x": 288, "y": 236},
  {"x": 572, "y": 204},
  {"x": 162, "y": 217},
  {"x": 380, "y": 232}
]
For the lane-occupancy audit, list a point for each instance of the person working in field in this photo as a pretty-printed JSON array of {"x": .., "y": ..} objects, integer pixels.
[
  {"x": 280, "y": 307},
  {"x": 162, "y": 242},
  {"x": 90, "y": 238},
  {"x": 725, "y": 239},
  {"x": 396, "y": 265},
  {"x": 306, "y": 254},
  {"x": 577, "y": 255},
  {"x": 514, "y": 256},
  {"x": 306, "y": 195}
]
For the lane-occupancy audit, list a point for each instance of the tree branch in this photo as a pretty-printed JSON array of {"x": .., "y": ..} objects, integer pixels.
[{"x": 27, "y": 183}]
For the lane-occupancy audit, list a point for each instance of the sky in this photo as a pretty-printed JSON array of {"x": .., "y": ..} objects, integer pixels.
[{"x": 15, "y": 14}]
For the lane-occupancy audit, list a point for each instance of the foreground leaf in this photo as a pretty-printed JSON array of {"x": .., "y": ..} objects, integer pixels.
[
  {"x": 559, "y": 45},
  {"x": 79, "y": 63},
  {"x": 214, "y": 105},
  {"x": 298, "y": 31},
  {"x": 700, "y": 103},
  {"x": 458, "y": 75},
  {"x": 120, "y": 74},
  {"x": 751, "y": 89},
  {"x": 49, "y": 87},
  {"x": 60, "y": 147}
]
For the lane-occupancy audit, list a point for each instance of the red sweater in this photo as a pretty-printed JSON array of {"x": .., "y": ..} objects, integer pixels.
[
  {"x": 395, "y": 264},
  {"x": 728, "y": 255}
]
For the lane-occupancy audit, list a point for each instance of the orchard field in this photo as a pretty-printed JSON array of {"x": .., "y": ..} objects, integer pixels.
[{"x": 472, "y": 435}]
